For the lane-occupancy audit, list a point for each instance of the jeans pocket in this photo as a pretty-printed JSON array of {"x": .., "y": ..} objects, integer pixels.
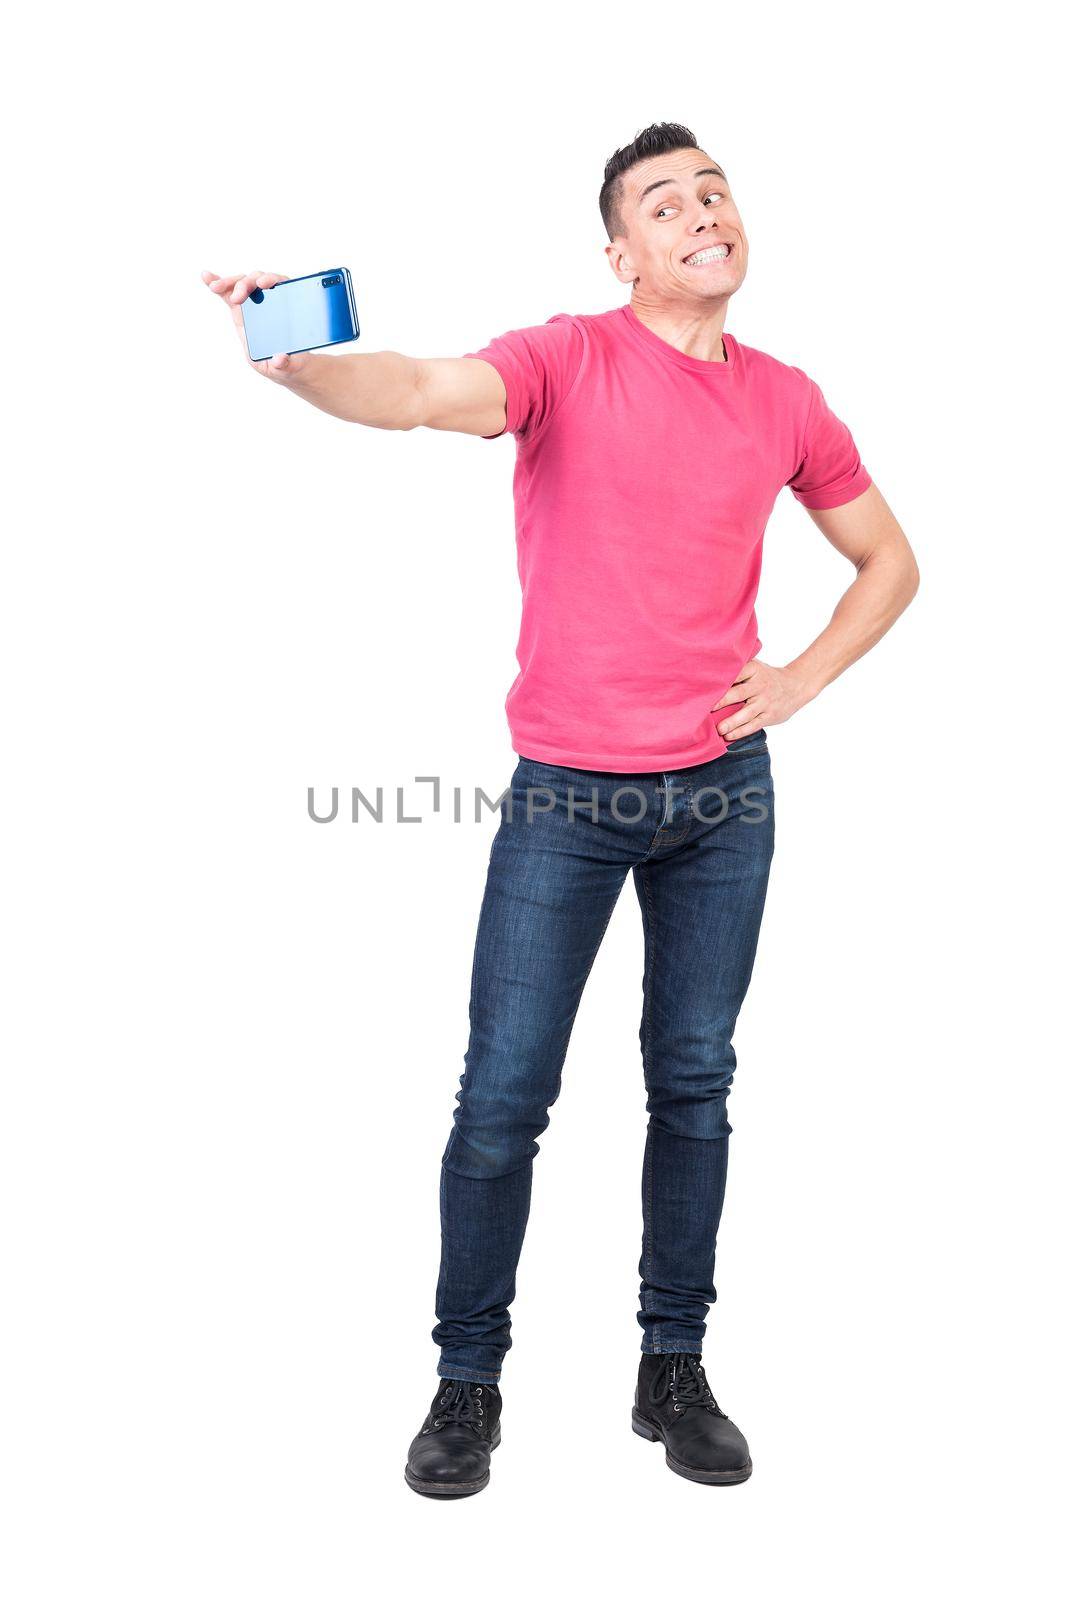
[{"x": 752, "y": 741}]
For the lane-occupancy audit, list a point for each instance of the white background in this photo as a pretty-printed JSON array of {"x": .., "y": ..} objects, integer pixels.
[{"x": 235, "y": 1037}]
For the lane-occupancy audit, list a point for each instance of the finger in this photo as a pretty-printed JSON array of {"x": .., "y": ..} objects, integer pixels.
[
  {"x": 267, "y": 280},
  {"x": 243, "y": 287},
  {"x": 741, "y": 729},
  {"x": 731, "y": 698},
  {"x": 222, "y": 285}
]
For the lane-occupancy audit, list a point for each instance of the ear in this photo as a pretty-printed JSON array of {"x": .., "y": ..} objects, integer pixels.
[{"x": 619, "y": 262}]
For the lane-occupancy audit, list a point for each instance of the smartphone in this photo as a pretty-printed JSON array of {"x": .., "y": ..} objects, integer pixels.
[{"x": 300, "y": 314}]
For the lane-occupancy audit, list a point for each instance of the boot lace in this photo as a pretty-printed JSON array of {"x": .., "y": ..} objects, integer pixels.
[
  {"x": 460, "y": 1402},
  {"x": 682, "y": 1379}
]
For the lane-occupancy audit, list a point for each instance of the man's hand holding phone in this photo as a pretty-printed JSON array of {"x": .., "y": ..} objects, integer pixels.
[{"x": 235, "y": 290}]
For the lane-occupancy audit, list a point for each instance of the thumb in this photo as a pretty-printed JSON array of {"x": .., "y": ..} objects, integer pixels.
[{"x": 285, "y": 366}]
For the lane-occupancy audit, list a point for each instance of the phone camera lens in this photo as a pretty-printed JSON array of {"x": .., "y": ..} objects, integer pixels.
[{"x": 328, "y": 283}]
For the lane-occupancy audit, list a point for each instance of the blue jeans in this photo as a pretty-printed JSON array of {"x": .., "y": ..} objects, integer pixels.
[{"x": 700, "y": 841}]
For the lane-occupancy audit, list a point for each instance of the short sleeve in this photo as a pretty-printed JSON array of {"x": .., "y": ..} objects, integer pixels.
[
  {"x": 538, "y": 365},
  {"x": 830, "y": 472}
]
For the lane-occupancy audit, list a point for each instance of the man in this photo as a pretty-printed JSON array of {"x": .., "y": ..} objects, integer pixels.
[{"x": 651, "y": 446}]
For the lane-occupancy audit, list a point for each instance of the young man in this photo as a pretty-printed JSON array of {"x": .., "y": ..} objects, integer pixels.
[{"x": 651, "y": 446}]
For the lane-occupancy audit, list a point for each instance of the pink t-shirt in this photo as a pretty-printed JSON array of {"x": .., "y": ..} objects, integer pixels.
[{"x": 643, "y": 483}]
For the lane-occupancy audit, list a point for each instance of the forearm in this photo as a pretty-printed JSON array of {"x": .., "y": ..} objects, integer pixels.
[
  {"x": 379, "y": 389},
  {"x": 883, "y": 587}
]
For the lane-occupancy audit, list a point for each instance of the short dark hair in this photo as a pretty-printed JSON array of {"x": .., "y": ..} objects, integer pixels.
[{"x": 659, "y": 139}]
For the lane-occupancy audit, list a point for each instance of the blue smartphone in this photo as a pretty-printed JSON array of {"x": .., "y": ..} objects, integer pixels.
[{"x": 300, "y": 314}]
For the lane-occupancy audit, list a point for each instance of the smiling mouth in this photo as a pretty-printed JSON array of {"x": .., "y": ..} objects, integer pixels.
[{"x": 707, "y": 256}]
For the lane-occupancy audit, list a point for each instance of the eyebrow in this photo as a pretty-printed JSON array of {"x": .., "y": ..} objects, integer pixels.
[{"x": 702, "y": 172}]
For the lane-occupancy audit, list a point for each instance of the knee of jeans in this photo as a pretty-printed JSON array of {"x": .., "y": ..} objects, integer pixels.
[
  {"x": 687, "y": 1092},
  {"x": 510, "y": 1080},
  {"x": 480, "y": 1149},
  {"x": 692, "y": 1119}
]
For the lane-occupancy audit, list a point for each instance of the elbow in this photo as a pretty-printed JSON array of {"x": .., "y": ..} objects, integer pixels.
[
  {"x": 904, "y": 567},
  {"x": 907, "y": 584}
]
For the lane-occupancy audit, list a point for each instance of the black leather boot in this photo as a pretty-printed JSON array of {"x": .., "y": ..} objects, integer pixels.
[
  {"x": 674, "y": 1405},
  {"x": 450, "y": 1455}
]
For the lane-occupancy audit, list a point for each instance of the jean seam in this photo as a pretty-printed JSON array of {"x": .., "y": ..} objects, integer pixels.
[
  {"x": 647, "y": 1166},
  {"x": 443, "y": 1274}
]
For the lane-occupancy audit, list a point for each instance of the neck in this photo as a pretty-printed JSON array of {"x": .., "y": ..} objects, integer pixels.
[{"x": 695, "y": 330}]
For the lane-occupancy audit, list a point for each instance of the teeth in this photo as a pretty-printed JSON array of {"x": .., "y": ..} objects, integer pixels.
[{"x": 718, "y": 252}]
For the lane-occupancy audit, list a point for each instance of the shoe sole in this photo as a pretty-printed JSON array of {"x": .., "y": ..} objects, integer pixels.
[
  {"x": 445, "y": 1490},
  {"x": 647, "y": 1429}
]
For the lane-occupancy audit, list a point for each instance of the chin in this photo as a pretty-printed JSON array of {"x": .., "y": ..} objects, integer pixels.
[
  {"x": 714, "y": 283},
  {"x": 724, "y": 284},
  {"x": 729, "y": 282}
]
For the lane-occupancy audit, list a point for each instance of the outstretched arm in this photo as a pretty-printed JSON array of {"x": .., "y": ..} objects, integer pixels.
[
  {"x": 865, "y": 531},
  {"x": 380, "y": 390}
]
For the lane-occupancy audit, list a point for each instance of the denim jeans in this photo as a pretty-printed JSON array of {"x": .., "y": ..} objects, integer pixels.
[{"x": 700, "y": 842}]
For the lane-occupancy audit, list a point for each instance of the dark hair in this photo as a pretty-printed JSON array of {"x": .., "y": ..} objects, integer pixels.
[{"x": 659, "y": 139}]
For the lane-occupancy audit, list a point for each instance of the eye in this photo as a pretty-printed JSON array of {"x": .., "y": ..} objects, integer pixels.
[
  {"x": 715, "y": 195},
  {"x": 661, "y": 210}
]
